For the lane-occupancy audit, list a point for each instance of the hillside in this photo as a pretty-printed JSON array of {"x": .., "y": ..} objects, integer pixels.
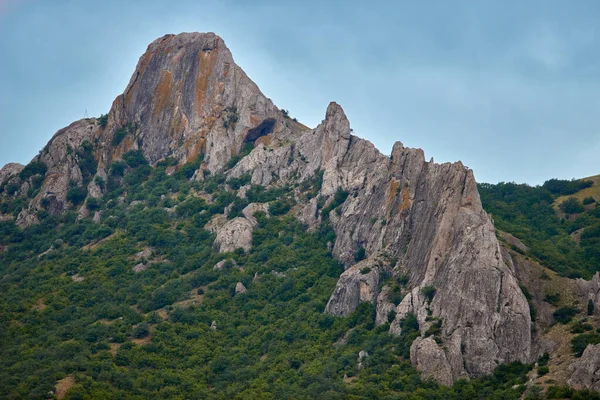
[{"x": 198, "y": 242}]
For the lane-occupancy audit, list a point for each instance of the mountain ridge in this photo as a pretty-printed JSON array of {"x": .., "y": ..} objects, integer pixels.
[{"x": 396, "y": 217}]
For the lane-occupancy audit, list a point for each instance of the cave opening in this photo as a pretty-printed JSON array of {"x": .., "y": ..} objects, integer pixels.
[{"x": 263, "y": 129}]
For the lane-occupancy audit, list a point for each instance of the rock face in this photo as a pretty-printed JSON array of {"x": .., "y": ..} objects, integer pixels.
[
  {"x": 235, "y": 234},
  {"x": 426, "y": 220},
  {"x": 591, "y": 291},
  {"x": 400, "y": 214},
  {"x": 586, "y": 370},
  {"x": 10, "y": 170}
]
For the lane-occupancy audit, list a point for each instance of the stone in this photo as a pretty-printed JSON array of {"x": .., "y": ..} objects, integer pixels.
[
  {"x": 235, "y": 234},
  {"x": 586, "y": 370},
  {"x": 362, "y": 358},
  {"x": 140, "y": 267},
  {"x": 240, "y": 288},
  {"x": 224, "y": 263},
  {"x": 10, "y": 170},
  {"x": 427, "y": 356},
  {"x": 213, "y": 326}
]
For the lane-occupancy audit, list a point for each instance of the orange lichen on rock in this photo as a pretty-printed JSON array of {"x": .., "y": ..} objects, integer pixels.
[
  {"x": 162, "y": 92},
  {"x": 391, "y": 195},
  {"x": 205, "y": 65},
  {"x": 405, "y": 196}
]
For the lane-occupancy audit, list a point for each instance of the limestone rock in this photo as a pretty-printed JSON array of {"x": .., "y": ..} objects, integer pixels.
[
  {"x": 225, "y": 263},
  {"x": 10, "y": 170},
  {"x": 431, "y": 360},
  {"x": 586, "y": 370},
  {"x": 235, "y": 234},
  {"x": 590, "y": 290},
  {"x": 358, "y": 283},
  {"x": 362, "y": 358},
  {"x": 240, "y": 288},
  {"x": 140, "y": 267}
]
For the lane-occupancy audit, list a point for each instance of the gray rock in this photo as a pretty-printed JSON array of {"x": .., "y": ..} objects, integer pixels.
[
  {"x": 10, "y": 170},
  {"x": 240, "y": 288},
  {"x": 235, "y": 234},
  {"x": 221, "y": 264},
  {"x": 586, "y": 370},
  {"x": 590, "y": 290},
  {"x": 362, "y": 358},
  {"x": 213, "y": 326}
]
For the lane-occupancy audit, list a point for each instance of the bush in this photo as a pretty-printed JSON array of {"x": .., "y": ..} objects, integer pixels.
[
  {"x": 135, "y": 158},
  {"x": 33, "y": 168},
  {"x": 360, "y": 254},
  {"x": 117, "y": 168},
  {"x": 564, "y": 315},
  {"x": 103, "y": 120},
  {"x": 562, "y": 187},
  {"x": 590, "y": 307},
  {"x": 77, "y": 194},
  {"x": 428, "y": 292},
  {"x": 93, "y": 204},
  {"x": 119, "y": 136},
  {"x": 571, "y": 206},
  {"x": 365, "y": 270},
  {"x": 580, "y": 342},
  {"x": 552, "y": 298},
  {"x": 588, "y": 200},
  {"x": 543, "y": 370}
]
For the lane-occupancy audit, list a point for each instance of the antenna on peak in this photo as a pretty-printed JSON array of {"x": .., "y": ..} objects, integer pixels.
[{"x": 85, "y": 115}]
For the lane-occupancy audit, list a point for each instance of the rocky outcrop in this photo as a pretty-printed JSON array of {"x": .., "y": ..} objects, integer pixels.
[
  {"x": 428, "y": 220},
  {"x": 399, "y": 215},
  {"x": 10, "y": 170},
  {"x": 590, "y": 291},
  {"x": 235, "y": 234},
  {"x": 358, "y": 283},
  {"x": 586, "y": 370},
  {"x": 240, "y": 288}
]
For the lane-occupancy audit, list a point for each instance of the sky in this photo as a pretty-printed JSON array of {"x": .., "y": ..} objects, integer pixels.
[{"x": 510, "y": 88}]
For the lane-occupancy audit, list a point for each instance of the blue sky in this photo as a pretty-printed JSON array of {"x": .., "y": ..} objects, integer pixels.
[{"x": 511, "y": 88}]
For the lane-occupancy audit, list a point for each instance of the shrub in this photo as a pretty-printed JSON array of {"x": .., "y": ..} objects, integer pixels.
[
  {"x": 141, "y": 331},
  {"x": 564, "y": 315},
  {"x": 103, "y": 120},
  {"x": 580, "y": 342},
  {"x": 117, "y": 168},
  {"x": 543, "y": 370},
  {"x": 588, "y": 200},
  {"x": 365, "y": 270},
  {"x": 428, "y": 292},
  {"x": 552, "y": 298},
  {"x": 360, "y": 254},
  {"x": 119, "y": 136},
  {"x": 33, "y": 168},
  {"x": 135, "y": 158},
  {"x": 93, "y": 204},
  {"x": 76, "y": 194},
  {"x": 571, "y": 206},
  {"x": 590, "y": 307}
]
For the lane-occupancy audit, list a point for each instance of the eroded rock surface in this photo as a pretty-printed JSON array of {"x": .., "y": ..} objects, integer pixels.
[
  {"x": 403, "y": 215},
  {"x": 235, "y": 234},
  {"x": 586, "y": 370}
]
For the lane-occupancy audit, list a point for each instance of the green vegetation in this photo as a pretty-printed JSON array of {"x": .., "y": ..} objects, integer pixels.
[
  {"x": 564, "y": 315},
  {"x": 103, "y": 120},
  {"x": 571, "y": 206},
  {"x": 33, "y": 168},
  {"x": 527, "y": 213},
  {"x": 81, "y": 310},
  {"x": 580, "y": 342}
]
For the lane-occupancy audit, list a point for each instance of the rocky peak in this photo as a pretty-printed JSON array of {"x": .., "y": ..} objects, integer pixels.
[{"x": 392, "y": 216}]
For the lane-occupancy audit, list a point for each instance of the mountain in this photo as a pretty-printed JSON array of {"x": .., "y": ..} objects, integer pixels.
[{"x": 175, "y": 224}]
